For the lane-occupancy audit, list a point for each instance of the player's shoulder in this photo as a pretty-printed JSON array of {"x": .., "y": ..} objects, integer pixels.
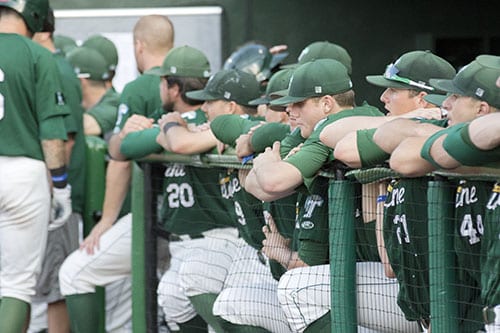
[{"x": 26, "y": 47}]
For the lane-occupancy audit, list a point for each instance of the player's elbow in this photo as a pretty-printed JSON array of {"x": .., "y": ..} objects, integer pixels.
[
  {"x": 347, "y": 155},
  {"x": 406, "y": 167}
]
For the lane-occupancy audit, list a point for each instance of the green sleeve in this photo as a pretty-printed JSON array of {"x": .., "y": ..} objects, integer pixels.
[
  {"x": 369, "y": 152},
  {"x": 52, "y": 129},
  {"x": 459, "y": 145},
  {"x": 142, "y": 143},
  {"x": 227, "y": 128},
  {"x": 267, "y": 134},
  {"x": 310, "y": 158},
  {"x": 425, "y": 153}
]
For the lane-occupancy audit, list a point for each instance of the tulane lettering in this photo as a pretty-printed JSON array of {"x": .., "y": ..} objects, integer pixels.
[
  {"x": 397, "y": 197},
  {"x": 466, "y": 196},
  {"x": 494, "y": 201},
  {"x": 229, "y": 188},
  {"x": 175, "y": 170}
]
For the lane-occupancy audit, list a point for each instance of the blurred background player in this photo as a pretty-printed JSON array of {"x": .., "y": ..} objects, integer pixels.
[
  {"x": 64, "y": 240},
  {"x": 99, "y": 100}
]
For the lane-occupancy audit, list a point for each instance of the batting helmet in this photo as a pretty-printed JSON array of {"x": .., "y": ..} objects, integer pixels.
[
  {"x": 33, "y": 12},
  {"x": 254, "y": 59}
]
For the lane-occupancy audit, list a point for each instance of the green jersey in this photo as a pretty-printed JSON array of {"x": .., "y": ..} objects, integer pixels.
[
  {"x": 490, "y": 279},
  {"x": 192, "y": 202},
  {"x": 105, "y": 112},
  {"x": 74, "y": 126},
  {"x": 30, "y": 94},
  {"x": 141, "y": 96},
  {"x": 246, "y": 210},
  {"x": 470, "y": 206},
  {"x": 406, "y": 242}
]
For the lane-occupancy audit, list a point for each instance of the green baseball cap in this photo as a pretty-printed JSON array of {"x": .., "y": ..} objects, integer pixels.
[
  {"x": 316, "y": 78},
  {"x": 435, "y": 99},
  {"x": 475, "y": 80},
  {"x": 184, "y": 61},
  {"x": 89, "y": 64},
  {"x": 64, "y": 44},
  {"x": 279, "y": 81},
  {"x": 229, "y": 85},
  {"x": 324, "y": 50},
  {"x": 413, "y": 70},
  {"x": 106, "y": 47}
]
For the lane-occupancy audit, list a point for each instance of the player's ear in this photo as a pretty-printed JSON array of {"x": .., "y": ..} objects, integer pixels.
[
  {"x": 421, "y": 101},
  {"x": 483, "y": 109}
]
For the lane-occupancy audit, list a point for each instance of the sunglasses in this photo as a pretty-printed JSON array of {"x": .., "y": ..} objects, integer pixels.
[{"x": 391, "y": 72}]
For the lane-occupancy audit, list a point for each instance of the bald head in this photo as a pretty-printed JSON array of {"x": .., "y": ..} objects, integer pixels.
[{"x": 156, "y": 33}]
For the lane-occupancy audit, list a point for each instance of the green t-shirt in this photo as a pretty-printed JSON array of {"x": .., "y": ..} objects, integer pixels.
[
  {"x": 30, "y": 97},
  {"x": 105, "y": 112},
  {"x": 141, "y": 96},
  {"x": 74, "y": 125},
  {"x": 406, "y": 242}
]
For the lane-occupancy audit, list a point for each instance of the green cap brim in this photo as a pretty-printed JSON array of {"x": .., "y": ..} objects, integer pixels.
[
  {"x": 435, "y": 99},
  {"x": 202, "y": 95},
  {"x": 258, "y": 101},
  {"x": 287, "y": 100},
  {"x": 446, "y": 86},
  {"x": 158, "y": 71},
  {"x": 381, "y": 81}
]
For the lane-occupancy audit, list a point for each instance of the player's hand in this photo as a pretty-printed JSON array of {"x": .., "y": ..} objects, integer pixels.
[
  {"x": 171, "y": 117},
  {"x": 270, "y": 155},
  {"x": 275, "y": 246},
  {"x": 134, "y": 124},
  {"x": 278, "y": 48},
  {"x": 91, "y": 242},
  {"x": 61, "y": 207},
  {"x": 244, "y": 146}
]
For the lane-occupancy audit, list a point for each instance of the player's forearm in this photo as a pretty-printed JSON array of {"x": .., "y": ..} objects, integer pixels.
[
  {"x": 180, "y": 140},
  {"x": 118, "y": 175},
  {"x": 253, "y": 187},
  {"x": 334, "y": 132},
  {"x": 484, "y": 131},
  {"x": 114, "y": 148},
  {"x": 54, "y": 153}
]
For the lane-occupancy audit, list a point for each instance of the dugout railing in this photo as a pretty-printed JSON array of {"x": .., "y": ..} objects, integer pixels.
[{"x": 440, "y": 205}]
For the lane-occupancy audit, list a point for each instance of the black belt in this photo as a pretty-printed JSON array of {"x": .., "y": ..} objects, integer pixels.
[
  {"x": 489, "y": 315},
  {"x": 180, "y": 238}
]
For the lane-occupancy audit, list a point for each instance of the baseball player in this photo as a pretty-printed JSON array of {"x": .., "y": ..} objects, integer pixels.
[
  {"x": 99, "y": 101},
  {"x": 32, "y": 108},
  {"x": 80, "y": 273},
  {"x": 108, "y": 50},
  {"x": 196, "y": 220},
  {"x": 64, "y": 240}
]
